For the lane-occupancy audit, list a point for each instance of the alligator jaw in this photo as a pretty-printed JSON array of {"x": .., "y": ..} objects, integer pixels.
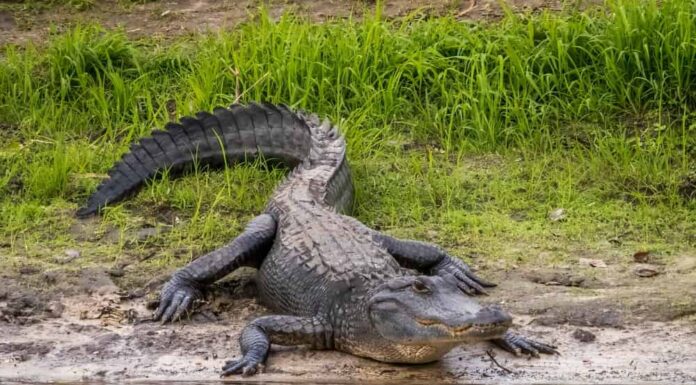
[
  {"x": 453, "y": 331},
  {"x": 469, "y": 329}
]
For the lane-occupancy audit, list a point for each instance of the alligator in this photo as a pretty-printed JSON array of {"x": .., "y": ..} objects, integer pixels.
[{"x": 336, "y": 283}]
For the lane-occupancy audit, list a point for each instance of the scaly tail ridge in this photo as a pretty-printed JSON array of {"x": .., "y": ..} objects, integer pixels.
[{"x": 227, "y": 135}]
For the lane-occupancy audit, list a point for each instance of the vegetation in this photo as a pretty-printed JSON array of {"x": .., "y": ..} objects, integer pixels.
[{"x": 467, "y": 134}]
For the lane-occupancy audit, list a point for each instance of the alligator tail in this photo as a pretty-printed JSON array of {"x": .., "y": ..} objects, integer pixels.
[{"x": 228, "y": 135}]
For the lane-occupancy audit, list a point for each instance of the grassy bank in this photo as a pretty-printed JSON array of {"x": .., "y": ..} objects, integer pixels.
[{"x": 463, "y": 134}]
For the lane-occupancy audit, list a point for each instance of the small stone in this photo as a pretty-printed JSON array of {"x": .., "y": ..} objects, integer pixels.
[
  {"x": 72, "y": 253},
  {"x": 117, "y": 272},
  {"x": 592, "y": 262},
  {"x": 646, "y": 271},
  {"x": 557, "y": 215},
  {"x": 583, "y": 335}
]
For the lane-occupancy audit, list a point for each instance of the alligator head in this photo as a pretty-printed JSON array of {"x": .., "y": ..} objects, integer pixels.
[{"x": 432, "y": 310}]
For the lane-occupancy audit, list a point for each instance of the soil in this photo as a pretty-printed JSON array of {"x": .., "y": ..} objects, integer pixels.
[
  {"x": 166, "y": 19},
  {"x": 610, "y": 325}
]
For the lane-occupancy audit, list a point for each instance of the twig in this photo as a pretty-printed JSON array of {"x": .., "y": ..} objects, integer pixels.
[
  {"x": 235, "y": 72},
  {"x": 237, "y": 95},
  {"x": 472, "y": 4},
  {"x": 498, "y": 364},
  {"x": 90, "y": 175}
]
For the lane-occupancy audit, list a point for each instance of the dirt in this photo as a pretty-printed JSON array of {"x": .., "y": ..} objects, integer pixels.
[
  {"x": 610, "y": 325},
  {"x": 21, "y": 23}
]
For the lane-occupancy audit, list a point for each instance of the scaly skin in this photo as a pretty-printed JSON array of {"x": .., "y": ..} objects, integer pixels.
[{"x": 339, "y": 284}]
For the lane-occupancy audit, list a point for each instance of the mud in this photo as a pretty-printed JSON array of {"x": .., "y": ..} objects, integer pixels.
[
  {"x": 165, "y": 19},
  {"x": 83, "y": 327}
]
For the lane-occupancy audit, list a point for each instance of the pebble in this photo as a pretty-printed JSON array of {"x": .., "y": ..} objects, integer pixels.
[
  {"x": 557, "y": 215},
  {"x": 583, "y": 335}
]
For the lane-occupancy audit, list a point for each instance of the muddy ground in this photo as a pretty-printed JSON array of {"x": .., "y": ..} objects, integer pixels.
[
  {"x": 610, "y": 324},
  {"x": 21, "y": 23}
]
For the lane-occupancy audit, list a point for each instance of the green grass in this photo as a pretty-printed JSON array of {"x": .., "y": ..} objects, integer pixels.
[{"x": 466, "y": 134}]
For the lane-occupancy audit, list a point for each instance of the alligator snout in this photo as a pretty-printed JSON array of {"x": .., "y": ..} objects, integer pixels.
[
  {"x": 489, "y": 320},
  {"x": 492, "y": 315}
]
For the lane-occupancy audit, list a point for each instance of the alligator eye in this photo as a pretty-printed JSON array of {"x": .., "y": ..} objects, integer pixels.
[{"x": 419, "y": 287}]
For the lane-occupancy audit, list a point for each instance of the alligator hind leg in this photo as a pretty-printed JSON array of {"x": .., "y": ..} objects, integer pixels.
[
  {"x": 186, "y": 285},
  {"x": 257, "y": 337},
  {"x": 432, "y": 259}
]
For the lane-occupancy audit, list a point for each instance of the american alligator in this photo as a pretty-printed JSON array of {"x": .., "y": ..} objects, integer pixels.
[{"x": 339, "y": 284}]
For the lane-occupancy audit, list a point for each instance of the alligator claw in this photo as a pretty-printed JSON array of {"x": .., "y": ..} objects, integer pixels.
[
  {"x": 176, "y": 299},
  {"x": 466, "y": 279},
  {"x": 518, "y": 345},
  {"x": 244, "y": 366}
]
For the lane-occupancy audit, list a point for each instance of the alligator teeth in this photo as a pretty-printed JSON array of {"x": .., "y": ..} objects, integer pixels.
[
  {"x": 452, "y": 330},
  {"x": 462, "y": 329}
]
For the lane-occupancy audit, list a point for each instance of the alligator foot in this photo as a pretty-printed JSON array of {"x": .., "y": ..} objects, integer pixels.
[
  {"x": 177, "y": 297},
  {"x": 518, "y": 345},
  {"x": 244, "y": 366},
  {"x": 466, "y": 279}
]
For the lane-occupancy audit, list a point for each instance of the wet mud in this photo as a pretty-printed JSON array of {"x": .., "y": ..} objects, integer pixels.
[{"x": 86, "y": 328}]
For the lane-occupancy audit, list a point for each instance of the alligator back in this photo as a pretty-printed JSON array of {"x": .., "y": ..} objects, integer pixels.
[
  {"x": 319, "y": 259},
  {"x": 231, "y": 135}
]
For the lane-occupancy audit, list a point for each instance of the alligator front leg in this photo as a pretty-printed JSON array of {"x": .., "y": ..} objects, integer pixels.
[
  {"x": 517, "y": 345},
  {"x": 186, "y": 285},
  {"x": 432, "y": 259},
  {"x": 257, "y": 337}
]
